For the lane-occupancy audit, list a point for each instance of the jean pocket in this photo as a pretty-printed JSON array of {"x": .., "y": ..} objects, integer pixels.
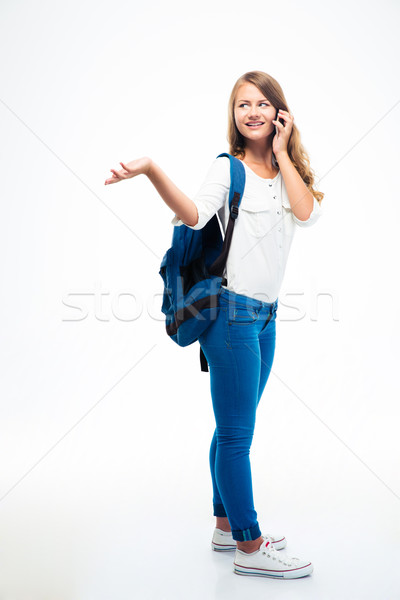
[{"x": 243, "y": 315}]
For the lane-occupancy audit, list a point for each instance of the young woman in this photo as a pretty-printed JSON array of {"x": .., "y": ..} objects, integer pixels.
[{"x": 240, "y": 344}]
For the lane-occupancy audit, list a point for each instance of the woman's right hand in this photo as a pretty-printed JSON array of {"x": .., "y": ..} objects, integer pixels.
[{"x": 131, "y": 169}]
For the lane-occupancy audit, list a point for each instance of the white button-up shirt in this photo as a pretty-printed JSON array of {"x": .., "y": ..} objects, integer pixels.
[{"x": 263, "y": 231}]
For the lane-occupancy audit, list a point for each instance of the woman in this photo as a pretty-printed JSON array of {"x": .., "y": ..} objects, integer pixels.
[{"x": 240, "y": 344}]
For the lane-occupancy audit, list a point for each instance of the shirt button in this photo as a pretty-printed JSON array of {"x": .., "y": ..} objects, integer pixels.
[
  {"x": 279, "y": 228},
  {"x": 279, "y": 212},
  {"x": 270, "y": 184},
  {"x": 275, "y": 196}
]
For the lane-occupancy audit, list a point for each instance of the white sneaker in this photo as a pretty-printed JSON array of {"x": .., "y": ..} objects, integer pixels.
[
  {"x": 267, "y": 562},
  {"x": 223, "y": 541}
]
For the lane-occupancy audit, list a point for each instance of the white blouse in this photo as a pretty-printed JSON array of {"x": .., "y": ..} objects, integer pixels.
[{"x": 263, "y": 231}]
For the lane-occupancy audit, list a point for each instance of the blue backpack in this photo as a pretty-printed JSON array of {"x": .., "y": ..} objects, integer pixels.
[{"x": 192, "y": 270}]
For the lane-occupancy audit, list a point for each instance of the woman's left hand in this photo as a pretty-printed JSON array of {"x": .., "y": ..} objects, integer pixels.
[{"x": 281, "y": 138}]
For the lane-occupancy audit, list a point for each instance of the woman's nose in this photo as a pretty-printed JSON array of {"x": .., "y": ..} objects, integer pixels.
[{"x": 253, "y": 111}]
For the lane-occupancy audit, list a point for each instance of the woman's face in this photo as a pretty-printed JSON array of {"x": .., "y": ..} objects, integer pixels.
[{"x": 252, "y": 107}]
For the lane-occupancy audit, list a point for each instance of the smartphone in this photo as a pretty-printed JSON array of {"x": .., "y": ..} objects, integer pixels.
[{"x": 280, "y": 119}]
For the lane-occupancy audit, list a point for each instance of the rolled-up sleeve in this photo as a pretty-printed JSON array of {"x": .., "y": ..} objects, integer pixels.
[
  {"x": 212, "y": 194},
  {"x": 316, "y": 212}
]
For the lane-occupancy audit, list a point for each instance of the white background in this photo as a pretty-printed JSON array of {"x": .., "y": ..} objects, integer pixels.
[{"x": 105, "y": 422}]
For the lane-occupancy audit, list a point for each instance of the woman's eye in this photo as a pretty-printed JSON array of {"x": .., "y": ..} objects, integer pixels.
[{"x": 245, "y": 104}]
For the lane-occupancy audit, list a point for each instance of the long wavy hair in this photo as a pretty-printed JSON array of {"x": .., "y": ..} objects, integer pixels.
[{"x": 274, "y": 93}]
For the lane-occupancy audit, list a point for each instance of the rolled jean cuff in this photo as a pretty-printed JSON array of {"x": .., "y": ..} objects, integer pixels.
[
  {"x": 219, "y": 510},
  {"x": 245, "y": 535}
]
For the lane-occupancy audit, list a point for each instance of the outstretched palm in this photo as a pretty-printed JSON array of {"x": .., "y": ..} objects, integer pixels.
[{"x": 131, "y": 169}]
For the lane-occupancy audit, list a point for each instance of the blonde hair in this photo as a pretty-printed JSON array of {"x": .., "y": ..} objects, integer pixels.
[{"x": 273, "y": 91}]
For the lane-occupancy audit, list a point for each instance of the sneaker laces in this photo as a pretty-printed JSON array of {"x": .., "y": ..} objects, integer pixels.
[{"x": 271, "y": 552}]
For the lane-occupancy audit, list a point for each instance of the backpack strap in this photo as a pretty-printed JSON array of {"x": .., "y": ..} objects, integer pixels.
[
  {"x": 238, "y": 180},
  {"x": 203, "y": 360}
]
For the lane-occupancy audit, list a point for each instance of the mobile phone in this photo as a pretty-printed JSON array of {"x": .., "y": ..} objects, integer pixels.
[{"x": 280, "y": 119}]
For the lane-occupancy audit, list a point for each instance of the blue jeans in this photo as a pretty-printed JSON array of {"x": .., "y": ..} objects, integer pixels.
[{"x": 239, "y": 347}]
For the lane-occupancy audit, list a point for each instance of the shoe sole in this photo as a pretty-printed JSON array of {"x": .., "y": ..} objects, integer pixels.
[
  {"x": 289, "y": 574},
  {"x": 228, "y": 548},
  {"x": 222, "y": 548}
]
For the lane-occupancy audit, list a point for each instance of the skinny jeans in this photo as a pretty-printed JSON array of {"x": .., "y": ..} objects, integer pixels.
[{"x": 239, "y": 347}]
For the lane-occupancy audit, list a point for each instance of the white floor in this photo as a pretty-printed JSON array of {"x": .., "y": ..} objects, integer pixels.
[
  {"x": 96, "y": 519},
  {"x": 45, "y": 560}
]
